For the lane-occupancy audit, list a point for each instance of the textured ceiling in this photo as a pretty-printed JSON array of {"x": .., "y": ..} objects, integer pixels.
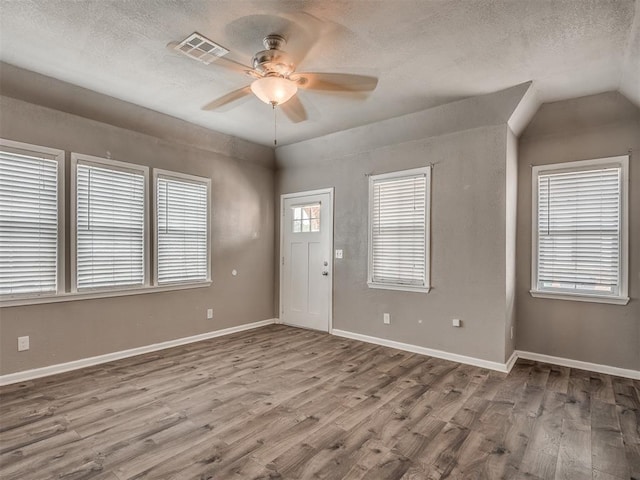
[{"x": 424, "y": 52}]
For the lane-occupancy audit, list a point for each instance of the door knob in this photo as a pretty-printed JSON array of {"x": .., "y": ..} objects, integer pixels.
[{"x": 325, "y": 273}]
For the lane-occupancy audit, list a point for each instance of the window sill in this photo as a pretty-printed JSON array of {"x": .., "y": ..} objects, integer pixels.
[
  {"x": 71, "y": 297},
  {"x": 578, "y": 297},
  {"x": 403, "y": 288}
]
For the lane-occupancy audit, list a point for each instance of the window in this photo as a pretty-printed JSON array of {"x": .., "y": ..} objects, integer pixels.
[
  {"x": 182, "y": 228},
  {"x": 31, "y": 228},
  {"x": 580, "y": 230},
  {"x": 306, "y": 218},
  {"x": 109, "y": 227},
  {"x": 399, "y": 230}
]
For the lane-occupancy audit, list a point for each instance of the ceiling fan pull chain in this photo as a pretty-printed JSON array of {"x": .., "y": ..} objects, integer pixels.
[{"x": 275, "y": 126}]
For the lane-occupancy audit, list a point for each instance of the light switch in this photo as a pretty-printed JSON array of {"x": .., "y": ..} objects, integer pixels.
[
  {"x": 23, "y": 344},
  {"x": 338, "y": 253}
]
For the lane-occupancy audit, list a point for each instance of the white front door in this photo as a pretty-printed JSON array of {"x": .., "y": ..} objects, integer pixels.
[{"x": 306, "y": 268}]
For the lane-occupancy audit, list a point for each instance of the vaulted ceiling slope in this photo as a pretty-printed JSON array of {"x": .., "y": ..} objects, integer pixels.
[{"x": 424, "y": 53}]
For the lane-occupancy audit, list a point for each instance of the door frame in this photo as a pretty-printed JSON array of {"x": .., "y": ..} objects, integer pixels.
[{"x": 283, "y": 197}]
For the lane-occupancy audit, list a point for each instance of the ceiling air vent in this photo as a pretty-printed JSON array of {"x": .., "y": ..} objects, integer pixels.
[{"x": 201, "y": 48}]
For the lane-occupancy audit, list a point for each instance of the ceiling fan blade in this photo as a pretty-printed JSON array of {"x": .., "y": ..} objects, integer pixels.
[
  {"x": 230, "y": 64},
  {"x": 228, "y": 98},
  {"x": 335, "y": 82},
  {"x": 302, "y": 32},
  {"x": 294, "y": 110}
]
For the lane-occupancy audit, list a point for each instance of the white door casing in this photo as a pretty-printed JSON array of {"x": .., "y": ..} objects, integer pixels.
[{"x": 306, "y": 267}]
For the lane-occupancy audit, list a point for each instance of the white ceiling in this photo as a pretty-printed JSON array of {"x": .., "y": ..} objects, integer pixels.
[{"x": 424, "y": 52}]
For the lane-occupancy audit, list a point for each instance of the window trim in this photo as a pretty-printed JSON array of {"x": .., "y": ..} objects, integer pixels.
[
  {"x": 65, "y": 292},
  {"x": 426, "y": 171},
  {"x": 621, "y": 162},
  {"x": 158, "y": 173},
  {"x": 114, "y": 164},
  {"x": 59, "y": 157}
]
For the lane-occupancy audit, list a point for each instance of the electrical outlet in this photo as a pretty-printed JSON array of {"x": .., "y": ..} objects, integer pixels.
[
  {"x": 386, "y": 318},
  {"x": 339, "y": 253},
  {"x": 209, "y": 313},
  {"x": 23, "y": 344},
  {"x": 456, "y": 322}
]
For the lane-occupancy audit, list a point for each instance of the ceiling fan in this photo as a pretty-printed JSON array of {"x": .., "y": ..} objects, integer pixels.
[{"x": 276, "y": 81}]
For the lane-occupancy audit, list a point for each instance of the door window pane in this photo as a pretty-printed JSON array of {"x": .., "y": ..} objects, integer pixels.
[{"x": 306, "y": 218}]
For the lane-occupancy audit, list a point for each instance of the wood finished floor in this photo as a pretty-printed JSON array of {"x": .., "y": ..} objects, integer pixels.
[{"x": 284, "y": 403}]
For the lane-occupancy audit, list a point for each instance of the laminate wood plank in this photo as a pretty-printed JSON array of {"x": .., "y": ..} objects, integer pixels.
[
  {"x": 415, "y": 472},
  {"x": 512, "y": 388},
  {"x": 26, "y": 453},
  {"x": 413, "y": 444},
  {"x": 471, "y": 461},
  {"x": 578, "y": 406},
  {"x": 391, "y": 467},
  {"x": 490, "y": 386},
  {"x": 18, "y": 438},
  {"x": 537, "y": 464},
  {"x": 105, "y": 476},
  {"x": 598, "y": 475},
  {"x": 539, "y": 375},
  {"x": 574, "y": 454},
  {"x": 340, "y": 456},
  {"x": 601, "y": 388},
  {"x": 439, "y": 459},
  {"x": 629, "y": 419},
  {"x": 46, "y": 464},
  {"x": 305, "y": 458},
  {"x": 112, "y": 425},
  {"x": 285, "y": 403},
  {"x": 558, "y": 380},
  {"x": 286, "y": 439},
  {"x": 177, "y": 442},
  {"x": 201, "y": 455},
  {"x": 607, "y": 444},
  {"x": 540, "y": 458},
  {"x": 135, "y": 453},
  {"x": 625, "y": 393},
  {"x": 545, "y": 438},
  {"x": 375, "y": 453},
  {"x": 530, "y": 403},
  {"x": 515, "y": 431}
]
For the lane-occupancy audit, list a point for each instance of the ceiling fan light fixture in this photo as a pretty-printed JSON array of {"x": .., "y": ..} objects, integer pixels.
[{"x": 274, "y": 90}]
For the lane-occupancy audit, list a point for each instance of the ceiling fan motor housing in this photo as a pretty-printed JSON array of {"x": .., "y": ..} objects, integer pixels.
[{"x": 273, "y": 61}]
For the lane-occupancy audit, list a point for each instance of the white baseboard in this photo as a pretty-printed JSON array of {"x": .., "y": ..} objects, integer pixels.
[
  {"x": 109, "y": 357},
  {"x": 567, "y": 362},
  {"x": 512, "y": 360},
  {"x": 500, "y": 367},
  {"x": 454, "y": 357}
]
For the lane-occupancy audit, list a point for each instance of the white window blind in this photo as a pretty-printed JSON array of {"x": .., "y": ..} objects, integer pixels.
[
  {"x": 398, "y": 229},
  {"x": 182, "y": 227},
  {"x": 579, "y": 231},
  {"x": 28, "y": 224},
  {"x": 110, "y": 226}
]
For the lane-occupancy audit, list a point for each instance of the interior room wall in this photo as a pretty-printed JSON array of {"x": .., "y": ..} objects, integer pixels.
[
  {"x": 242, "y": 239},
  {"x": 467, "y": 146},
  {"x": 511, "y": 203},
  {"x": 583, "y": 128}
]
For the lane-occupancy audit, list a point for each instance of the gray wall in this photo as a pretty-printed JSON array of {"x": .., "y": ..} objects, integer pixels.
[
  {"x": 589, "y": 127},
  {"x": 511, "y": 194},
  {"x": 468, "y": 224},
  {"x": 243, "y": 238}
]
